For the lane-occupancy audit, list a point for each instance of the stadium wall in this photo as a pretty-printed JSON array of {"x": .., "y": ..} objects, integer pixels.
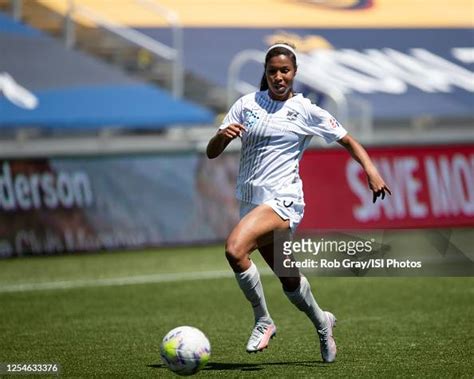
[{"x": 72, "y": 204}]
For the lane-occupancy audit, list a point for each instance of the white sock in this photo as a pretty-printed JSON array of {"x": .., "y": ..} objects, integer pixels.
[
  {"x": 251, "y": 286},
  {"x": 304, "y": 300}
]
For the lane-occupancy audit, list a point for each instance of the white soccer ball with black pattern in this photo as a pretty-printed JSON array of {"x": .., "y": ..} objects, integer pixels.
[{"x": 185, "y": 350}]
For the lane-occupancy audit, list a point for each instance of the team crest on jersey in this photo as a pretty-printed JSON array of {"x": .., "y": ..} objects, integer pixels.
[
  {"x": 250, "y": 118},
  {"x": 292, "y": 115},
  {"x": 334, "y": 123}
]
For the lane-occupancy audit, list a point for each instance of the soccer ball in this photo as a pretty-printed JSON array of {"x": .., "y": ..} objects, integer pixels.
[{"x": 185, "y": 350}]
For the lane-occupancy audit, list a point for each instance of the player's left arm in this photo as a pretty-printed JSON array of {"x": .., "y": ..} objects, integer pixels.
[{"x": 376, "y": 183}]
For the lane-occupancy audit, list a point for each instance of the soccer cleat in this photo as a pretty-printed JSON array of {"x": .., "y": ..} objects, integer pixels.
[
  {"x": 326, "y": 340},
  {"x": 261, "y": 334}
]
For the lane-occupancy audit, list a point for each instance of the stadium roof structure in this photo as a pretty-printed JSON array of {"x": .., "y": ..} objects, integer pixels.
[{"x": 45, "y": 85}]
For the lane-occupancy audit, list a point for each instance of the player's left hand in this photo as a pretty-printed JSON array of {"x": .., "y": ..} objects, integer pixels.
[{"x": 377, "y": 186}]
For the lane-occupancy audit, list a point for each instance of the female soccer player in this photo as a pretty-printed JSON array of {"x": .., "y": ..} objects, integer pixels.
[{"x": 276, "y": 125}]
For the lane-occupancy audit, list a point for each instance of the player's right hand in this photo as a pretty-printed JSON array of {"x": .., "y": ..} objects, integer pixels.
[{"x": 232, "y": 131}]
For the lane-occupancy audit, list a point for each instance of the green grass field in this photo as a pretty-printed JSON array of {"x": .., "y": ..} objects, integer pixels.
[{"x": 104, "y": 315}]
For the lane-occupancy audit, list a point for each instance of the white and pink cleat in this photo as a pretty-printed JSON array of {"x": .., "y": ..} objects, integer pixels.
[
  {"x": 261, "y": 335},
  {"x": 326, "y": 339}
]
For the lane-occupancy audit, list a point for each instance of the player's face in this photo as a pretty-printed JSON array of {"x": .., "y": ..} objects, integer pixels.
[{"x": 280, "y": 73}]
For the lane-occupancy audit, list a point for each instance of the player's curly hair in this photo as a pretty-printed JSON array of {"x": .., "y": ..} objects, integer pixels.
[{"x": 273, "y": 53}]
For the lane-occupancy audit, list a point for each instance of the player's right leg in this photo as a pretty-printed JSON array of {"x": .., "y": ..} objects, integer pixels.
[{"x": 241, "y": 242}]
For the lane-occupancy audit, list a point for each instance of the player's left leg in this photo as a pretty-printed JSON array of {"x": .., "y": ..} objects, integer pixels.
[
  {"x": 323, "y": 321},
  {"x": 298, "y": 290}
]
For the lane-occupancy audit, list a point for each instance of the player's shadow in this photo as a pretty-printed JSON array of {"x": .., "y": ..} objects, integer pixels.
[
  {"x": 260, "y": 366},
  {"x": 233, "y": 366},
  {"x": 218, "y": 366}
]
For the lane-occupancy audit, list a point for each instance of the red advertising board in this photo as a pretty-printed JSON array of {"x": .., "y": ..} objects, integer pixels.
[{"x": 431, "y": 187}]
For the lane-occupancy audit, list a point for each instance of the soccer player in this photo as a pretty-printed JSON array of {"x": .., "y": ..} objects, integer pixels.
[{"x": 275, "y": 125}]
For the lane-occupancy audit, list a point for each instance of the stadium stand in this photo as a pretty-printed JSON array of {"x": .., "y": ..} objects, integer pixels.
[
  {"x": 75, "y": 91},
  {"x": 49, "y": 89}
]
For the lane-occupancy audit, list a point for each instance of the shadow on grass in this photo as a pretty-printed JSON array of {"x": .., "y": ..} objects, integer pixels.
[{"x": 219, "y": 366}]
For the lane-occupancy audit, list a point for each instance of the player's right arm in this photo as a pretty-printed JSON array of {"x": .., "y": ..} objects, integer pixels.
[
  {"x": 231, "y": 128},
  {"x": 223, "y": 137}
]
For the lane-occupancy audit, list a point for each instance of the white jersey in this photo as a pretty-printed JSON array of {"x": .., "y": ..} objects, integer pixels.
[{"x": 277, "y": 134}]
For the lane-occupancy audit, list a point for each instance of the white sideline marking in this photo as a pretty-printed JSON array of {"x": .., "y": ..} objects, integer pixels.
[{"x": 123, "y": 281}]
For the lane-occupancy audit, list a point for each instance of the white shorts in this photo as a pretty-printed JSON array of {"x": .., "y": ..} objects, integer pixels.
[{"x": 288, "y": 208}]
